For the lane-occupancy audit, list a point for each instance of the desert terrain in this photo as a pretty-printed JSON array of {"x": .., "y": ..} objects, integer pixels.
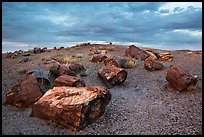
[{"x": 145, "y": 104}]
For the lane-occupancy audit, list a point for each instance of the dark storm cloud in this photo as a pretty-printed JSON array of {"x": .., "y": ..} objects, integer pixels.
[{"x": 143, "y": 22}]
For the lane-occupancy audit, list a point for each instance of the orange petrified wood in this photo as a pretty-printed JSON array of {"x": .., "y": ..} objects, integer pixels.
[{"x": 72, "y": 107}]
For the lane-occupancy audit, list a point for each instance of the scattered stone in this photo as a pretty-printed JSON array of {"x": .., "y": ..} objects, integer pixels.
[
  {"x": 112, "y": 75},
  {"x": 94, "y": 50},
  {"x": 121, "y": 62},
  {"x": 66, "y": 80},
  {"x": 25, "y": 59},
  {"x": 44, "y": 49},
  {"x": 103, "y": 52},
  {"x": 136, "y": 53},
  {"x": 151, "y": 64},
  {"x": 26, "y": 54},
  {"x": 73, "y": 107},
  {"x": 59, "y": 69},
  {"x": 9, "y": 55},
  {"x": 37, "y": 50},
  {"x": 98, "y": 58},
  {"x": 78, "y": 69},
  {"x": 165, "y": 56},
  {"x": 180, "y": 79},
  {"x": 151, "y": 55}
]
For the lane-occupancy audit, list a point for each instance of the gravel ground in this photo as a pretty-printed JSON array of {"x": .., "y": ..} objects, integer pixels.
[{"x": 144, "y": 104}]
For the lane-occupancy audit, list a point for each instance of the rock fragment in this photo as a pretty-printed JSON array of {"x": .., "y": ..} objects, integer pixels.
[
  {"x": 180, "y": 79},
  {"x": 73, "y": 107}
]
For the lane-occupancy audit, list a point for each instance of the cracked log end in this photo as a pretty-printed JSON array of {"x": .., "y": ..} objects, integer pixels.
[
  {"x": 150, "y": 64},
  {"x": 112, "y": 75},
  {"x": 72, "y": 107},
  {"x": 180, "y": 79}
]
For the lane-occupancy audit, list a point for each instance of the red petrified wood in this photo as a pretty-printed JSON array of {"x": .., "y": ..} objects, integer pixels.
[
  {"x": 150, "y": 64},
  {"x": 25, "y": 93},
  {"x": 59, "y": 69},
  {"x": 180, "y": 79},
  {"x": 136, "y": 53},
  {"x": 98, "y": 58},
  {"x": 66, "y": 80},
  {"x": 120, "y": 62},
  {"x": 112, "y": 75},
  {"x": 72, "y": 107}
]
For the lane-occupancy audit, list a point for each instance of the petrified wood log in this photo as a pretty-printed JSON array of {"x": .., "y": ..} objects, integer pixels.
[
  {"x": 72, "y": 107},
  {"x": 150, "y": 64},
  {"x": 180, "y": 79},
  {"x": 59, "y": 69},
  {"x": 151, "y": 55},
  {"x": 120, "y": 62},
  {"x": 66, "y": 80},
  {"x": 165, "y": 56},
  {"x": 78, "y": 69},
  {"x": 94, "y": 50},
  {"x": 25, "y": 93},
  {"x": 112, "y": 75},
  {"x": 98, "y": 58},
  {"x": 136, "y": 53}
]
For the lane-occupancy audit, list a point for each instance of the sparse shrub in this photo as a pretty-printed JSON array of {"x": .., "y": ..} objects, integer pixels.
[
  {"x": 22, "y": 71},
  {"x": 131, "y": 64},
  {"x": 110, "y": 48}
]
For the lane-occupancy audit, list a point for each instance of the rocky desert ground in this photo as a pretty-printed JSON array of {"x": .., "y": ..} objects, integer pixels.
[{"x": 144, "y": 104}]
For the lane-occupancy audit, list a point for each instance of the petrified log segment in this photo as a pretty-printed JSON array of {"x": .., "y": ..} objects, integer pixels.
[
  {"x": 78, "y": 69},
  {"x": 25, "y": 93},
  {"x": 94, "y": 50},
  {"x": 165, "y": 56},
  {"x": 151, "y": 64},
  {"x": 72, "y": 107},
  {"x": 151, "y": 55},
  {"x": 59, "y": 69},
  {"x": 136, "y": 53},
  {"x": 180, "y": 79},
  {"x": 98, "y": 58},
  {"x": 112, "y": 75},
  {"x": 111, "y": 62},
  {"x": 65, "y": 80},
  {"x": 120, "y": 62}
]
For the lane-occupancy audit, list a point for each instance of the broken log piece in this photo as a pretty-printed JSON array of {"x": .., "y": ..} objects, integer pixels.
[
  {"x": 136, "y": 53},
  {"x": 180, "y": 79},
  {"x": 94, "y": 50},
  {"x": 25, "y": 93},
  {"x": 112, "y": 75},
  {"x": 151, "y": 55},
  {"x": 73, "y": 107},
  {"x": 66, "y": 80},
  {"x": 78, "y": 69},
  {"x": 59, "y": 69},
  {"x": 121, "y": 62},
  {"x": 98, "y": 58},
  {"x": 165, "y": 56},
  {"x": 111, "y": 62},
  {"x": 151, "y": 64}
]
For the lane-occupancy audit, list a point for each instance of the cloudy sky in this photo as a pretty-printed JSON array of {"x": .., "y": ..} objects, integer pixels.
[{"x": 165, "y": 25}]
